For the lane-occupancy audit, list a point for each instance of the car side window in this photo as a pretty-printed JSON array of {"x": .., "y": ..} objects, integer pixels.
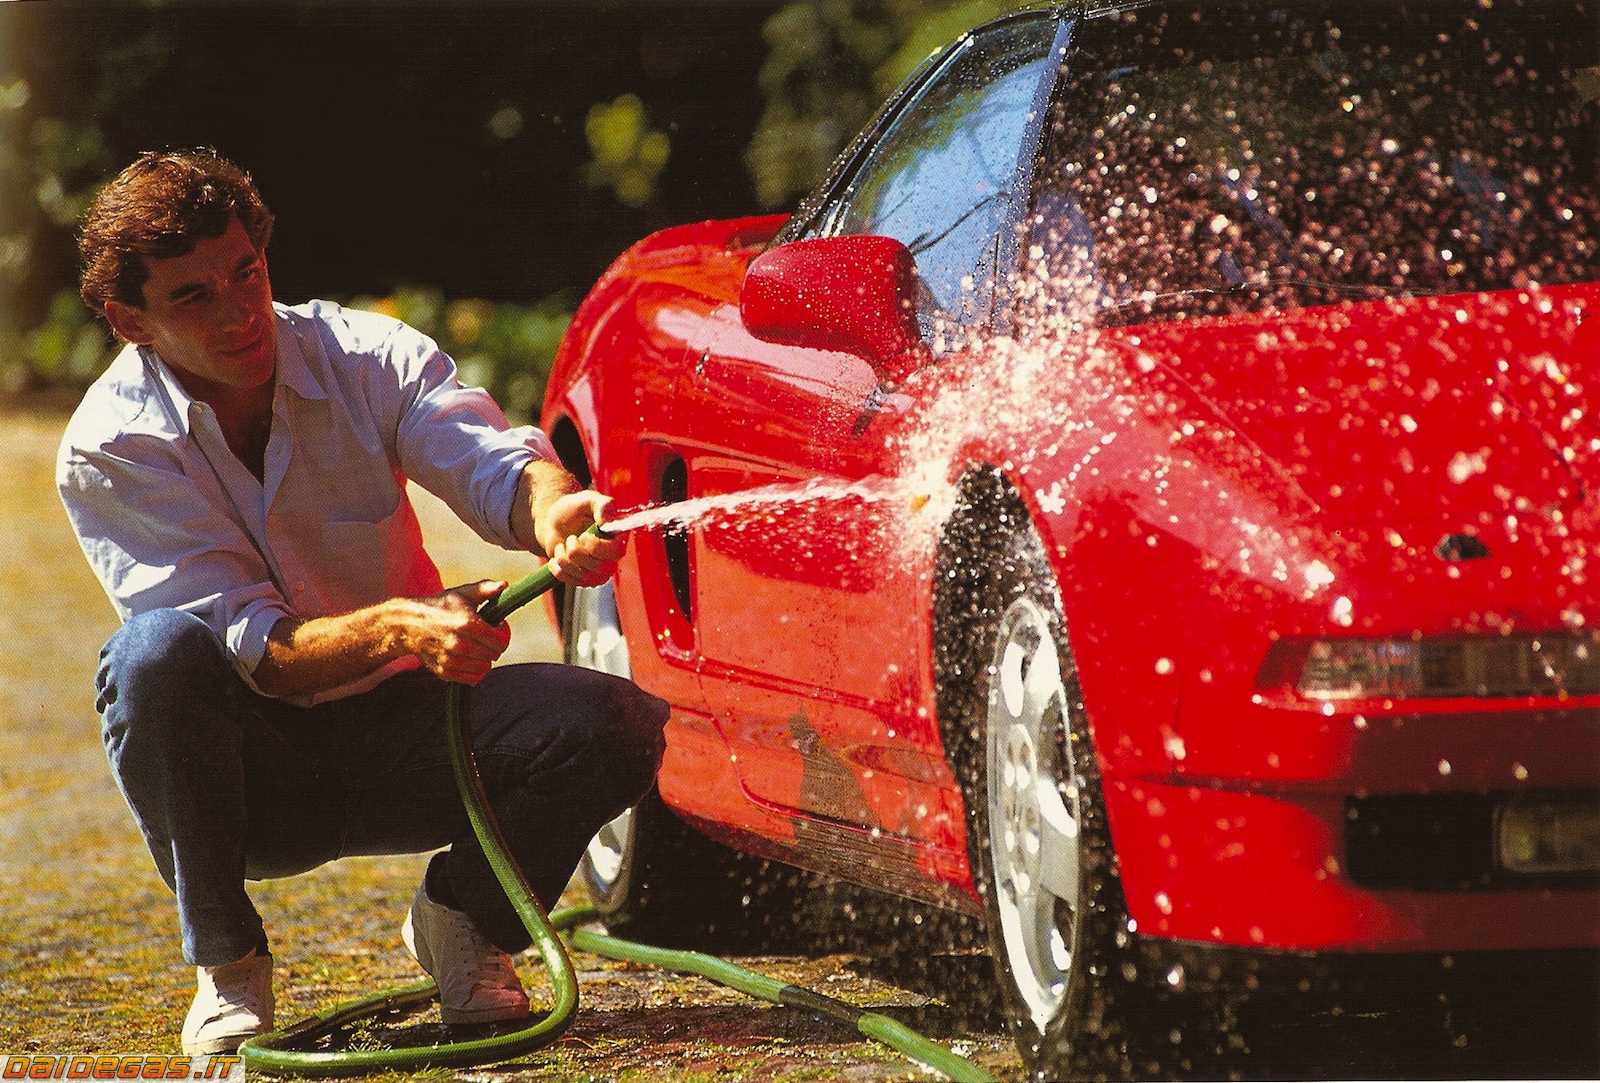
[{"x": 941, "y": 178}]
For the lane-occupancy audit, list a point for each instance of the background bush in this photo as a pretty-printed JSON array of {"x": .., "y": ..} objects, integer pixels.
[{"x": 471, "y": 166}]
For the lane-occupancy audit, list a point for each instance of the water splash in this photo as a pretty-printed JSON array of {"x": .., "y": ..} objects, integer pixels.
[{"x": 896, "y": 497}]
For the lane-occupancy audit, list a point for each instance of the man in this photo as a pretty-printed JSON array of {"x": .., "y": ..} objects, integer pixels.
[{"x": 274, "y": 699}]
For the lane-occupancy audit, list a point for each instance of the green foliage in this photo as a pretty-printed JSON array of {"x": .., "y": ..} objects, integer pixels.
[
  {"x": 67, "y": 350},
  {"x": 506, "y": 348},
  {"x": 830, "y": 64},
  {"x": 53, "y": 159},
  {"x": 64, "y": 150},
  {"x": 628, "y": 154},
  {"x": 54, "y": 156}
]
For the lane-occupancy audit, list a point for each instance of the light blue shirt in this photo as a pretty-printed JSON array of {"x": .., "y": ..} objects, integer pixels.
[{"x": 169, "y": 518}]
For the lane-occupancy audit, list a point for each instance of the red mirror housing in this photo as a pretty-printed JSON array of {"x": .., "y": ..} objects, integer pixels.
[{"x": 856, "y": 294}]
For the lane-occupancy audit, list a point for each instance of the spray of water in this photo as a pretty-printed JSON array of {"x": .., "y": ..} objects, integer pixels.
[{"x": 891, "y": 495}]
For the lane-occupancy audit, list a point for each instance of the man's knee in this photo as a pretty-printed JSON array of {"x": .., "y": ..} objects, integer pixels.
[
  {"x": 632, "y": 738},
  {"x": 158, "y": 667}
]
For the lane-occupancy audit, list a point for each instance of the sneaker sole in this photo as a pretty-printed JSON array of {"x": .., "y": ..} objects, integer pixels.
[
  {"x": 483, "y": 1015},
  {"x": 227, "y": 1043}
]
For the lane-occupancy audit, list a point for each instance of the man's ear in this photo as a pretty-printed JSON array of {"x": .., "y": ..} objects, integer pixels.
[{"x": 128, "y": 322}]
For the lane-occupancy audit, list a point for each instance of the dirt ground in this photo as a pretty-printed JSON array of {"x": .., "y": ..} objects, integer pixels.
[{"x": 89, "y": 956}]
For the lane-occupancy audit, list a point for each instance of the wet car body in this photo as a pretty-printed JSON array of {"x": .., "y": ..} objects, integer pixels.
[{"x": 1319, "y": 535}]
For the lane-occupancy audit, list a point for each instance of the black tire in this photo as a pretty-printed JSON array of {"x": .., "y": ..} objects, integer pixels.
[
  {"x": 653, "y": 877},
  {"x": 1057, "y": 926}
]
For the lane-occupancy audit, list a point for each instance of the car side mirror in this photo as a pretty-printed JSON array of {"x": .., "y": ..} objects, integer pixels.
[{"x": 856, "y": 294}]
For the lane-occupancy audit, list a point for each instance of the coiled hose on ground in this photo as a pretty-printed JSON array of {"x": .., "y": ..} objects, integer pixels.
[{"x": 278, "y": 1054}]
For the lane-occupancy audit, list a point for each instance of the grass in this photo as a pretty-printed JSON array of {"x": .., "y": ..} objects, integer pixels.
[{"x": 89, "y": 958}]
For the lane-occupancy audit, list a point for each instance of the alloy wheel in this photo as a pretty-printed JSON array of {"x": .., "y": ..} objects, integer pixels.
[{"x": 1034, "y": 811}]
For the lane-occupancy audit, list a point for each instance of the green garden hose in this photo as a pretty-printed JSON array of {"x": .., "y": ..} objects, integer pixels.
[{"x": 275, "y": 1052}]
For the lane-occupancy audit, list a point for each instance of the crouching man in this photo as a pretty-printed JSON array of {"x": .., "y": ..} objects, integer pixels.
[{"x": 275, "y": 696}]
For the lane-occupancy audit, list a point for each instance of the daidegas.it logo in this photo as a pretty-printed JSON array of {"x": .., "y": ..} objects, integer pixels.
[{"x": 122, "y": 1066}]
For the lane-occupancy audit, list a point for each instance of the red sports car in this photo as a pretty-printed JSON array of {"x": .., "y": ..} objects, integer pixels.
[{"x": 1173, "y": 431}]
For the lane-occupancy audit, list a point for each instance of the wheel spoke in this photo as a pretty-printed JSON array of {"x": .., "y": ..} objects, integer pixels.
[
  {"x": 1013, "y": 693},
  {"x": 1058, "y": 846},
  {"x": 1044, "y": 676}
]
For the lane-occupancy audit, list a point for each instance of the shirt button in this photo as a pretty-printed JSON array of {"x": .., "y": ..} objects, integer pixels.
[{"x": 300, "y": 587}]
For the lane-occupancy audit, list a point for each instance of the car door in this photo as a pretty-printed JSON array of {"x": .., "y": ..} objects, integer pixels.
[{"x": 812, "y": 649}]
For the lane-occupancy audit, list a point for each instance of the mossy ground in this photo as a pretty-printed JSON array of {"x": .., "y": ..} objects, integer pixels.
[{"x": 89, "y": 957}]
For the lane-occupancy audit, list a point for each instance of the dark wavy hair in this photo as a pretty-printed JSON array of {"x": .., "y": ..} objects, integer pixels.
[{"x": 159, "y": 207}]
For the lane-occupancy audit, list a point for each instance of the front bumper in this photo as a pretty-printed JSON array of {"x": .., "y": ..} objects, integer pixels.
[{"x": 1271, "y": 870}]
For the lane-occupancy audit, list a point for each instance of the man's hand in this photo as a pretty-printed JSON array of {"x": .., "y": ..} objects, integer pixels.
[
  {"x": 583, "y": 560},
  {"x": 551, "y": 514},
  {"x": 446, "y": 633}
]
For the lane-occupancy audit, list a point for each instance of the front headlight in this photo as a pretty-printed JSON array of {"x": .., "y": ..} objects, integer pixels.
[{"x": 1560, "y": 664}]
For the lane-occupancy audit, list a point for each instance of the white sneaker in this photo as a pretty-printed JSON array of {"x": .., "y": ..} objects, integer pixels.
[
  {"x": 477, "y": 983},
  {"x": 231, "y": 1003}
]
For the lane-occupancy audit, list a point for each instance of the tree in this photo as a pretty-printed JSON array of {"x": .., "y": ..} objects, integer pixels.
[{"x": 830, "y": 64}]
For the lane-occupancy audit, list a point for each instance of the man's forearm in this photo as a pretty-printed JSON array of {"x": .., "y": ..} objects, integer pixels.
[
  {"x": 443, "y": 631},
  {"x": 305, "y": 657}
]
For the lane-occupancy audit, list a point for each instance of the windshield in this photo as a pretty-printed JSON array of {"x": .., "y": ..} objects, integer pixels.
[{"x": 1203, "y": 160}]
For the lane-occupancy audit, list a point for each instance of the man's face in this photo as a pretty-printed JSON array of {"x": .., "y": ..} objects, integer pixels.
[{"x": 208, "y": 313}]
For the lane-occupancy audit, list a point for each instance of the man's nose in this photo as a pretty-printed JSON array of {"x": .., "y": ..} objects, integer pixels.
[{"x": 237, "y": 311}]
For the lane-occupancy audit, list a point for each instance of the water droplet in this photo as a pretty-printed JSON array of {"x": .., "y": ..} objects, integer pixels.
[
  {"x": 1343, "y": 611},
  {"x": 1463, "y": 466},
  {"x": 1318, "y": 575}
]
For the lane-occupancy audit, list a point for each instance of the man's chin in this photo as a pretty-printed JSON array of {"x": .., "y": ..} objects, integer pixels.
[{"x": 254, "y": 365}]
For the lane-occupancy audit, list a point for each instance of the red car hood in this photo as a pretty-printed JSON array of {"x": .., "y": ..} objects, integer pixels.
[{"x": 1450, "y": 407}]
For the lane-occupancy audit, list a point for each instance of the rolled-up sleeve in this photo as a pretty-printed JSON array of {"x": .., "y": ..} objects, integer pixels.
[
  {"x": 454, "y": 441},
  {"x": 156, "y": 542}
]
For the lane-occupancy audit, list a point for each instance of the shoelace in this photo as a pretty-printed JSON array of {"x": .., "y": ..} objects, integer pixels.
[
  {"x": 495, "y": 970},
  {"x": 490, "y": 965}
]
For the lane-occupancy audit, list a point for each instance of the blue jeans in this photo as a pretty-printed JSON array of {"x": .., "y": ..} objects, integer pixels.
[{"x": 227, "y": 785}]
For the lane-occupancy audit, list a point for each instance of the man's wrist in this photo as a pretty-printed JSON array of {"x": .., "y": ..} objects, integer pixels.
[{"x": 541, "y": 485}]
